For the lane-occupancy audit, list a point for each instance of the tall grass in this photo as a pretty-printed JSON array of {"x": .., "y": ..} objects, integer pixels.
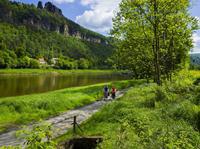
[{"x": 150, "y": 117}]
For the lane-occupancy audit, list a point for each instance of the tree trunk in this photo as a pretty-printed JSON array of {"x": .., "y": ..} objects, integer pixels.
[{"x": 156, "y": 46}]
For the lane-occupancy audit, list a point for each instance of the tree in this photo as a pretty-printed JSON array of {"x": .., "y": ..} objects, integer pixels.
[{"x": 153, "y": 36}]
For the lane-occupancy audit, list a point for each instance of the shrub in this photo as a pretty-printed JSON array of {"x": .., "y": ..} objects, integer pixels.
[
  {"x": 39, "y": 137},
  {"x": 34, "y": 63},
  {"x": 23, "y": 62},
  {"x": 7, "y": 59},
  {"x": 65, "y": 63},
  {"x": 196, "y": 100},
  {"x": 150, "y": 103},
  {"x": 160, "y": 94},
  {"x": 198, "y": 121},
  {"x": 197, "y": 81},
  {"x": 83, "y": 64},
  {"x": 189, "y": 112}
]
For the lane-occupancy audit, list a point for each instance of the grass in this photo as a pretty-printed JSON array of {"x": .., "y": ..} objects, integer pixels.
[
  {"x": 150, "y": 117},
  {"x": 42, "y": 71},
  {"x": 15, "y": 111}
]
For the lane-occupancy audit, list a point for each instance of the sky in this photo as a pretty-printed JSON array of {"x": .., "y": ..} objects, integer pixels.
[{"x": 97, "y": 15}]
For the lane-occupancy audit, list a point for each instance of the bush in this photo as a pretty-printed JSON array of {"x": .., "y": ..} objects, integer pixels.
[
  {"x": 8, "y": 59},
  {"x": 39, "y": 137},
  {"x": 2, "y": 62},
  {"x": 160, "y": 94},
  {"x": 187, "y": 111},
  {"x": 83, "y": 64},
  {"x": 197, "y": 81},
  {"x": 23, "y": 62},
  {"x": 65, "y": 63},
  {"x": 34, "y": 63},
  {"x": 150, "y": 103}
]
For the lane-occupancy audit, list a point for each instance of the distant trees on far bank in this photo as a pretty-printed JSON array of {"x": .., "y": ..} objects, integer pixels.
[
  {"x": 22, "y": 47},
  {"x": 8, "y": 59}
]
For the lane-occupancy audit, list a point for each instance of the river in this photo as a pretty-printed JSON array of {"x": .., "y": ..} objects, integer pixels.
[{"x": 15, "y": 85}]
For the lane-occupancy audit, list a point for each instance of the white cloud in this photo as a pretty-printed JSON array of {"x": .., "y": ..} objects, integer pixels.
[
  {"x": 63, "y": 1},
  {"x": 196, "y": 42},
  {"x": 196, "y": 39},
  {"x": 99, "y": 16},
  {"x": 86, "y": 2}
]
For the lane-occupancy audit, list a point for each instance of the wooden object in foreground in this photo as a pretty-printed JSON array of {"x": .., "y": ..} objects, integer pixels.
[{"x": 82, "y": 143}]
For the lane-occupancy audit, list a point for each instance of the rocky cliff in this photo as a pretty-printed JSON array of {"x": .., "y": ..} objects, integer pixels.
[
  {"x": 47, "y": 17},
  {"x": 51, "y": 8}
]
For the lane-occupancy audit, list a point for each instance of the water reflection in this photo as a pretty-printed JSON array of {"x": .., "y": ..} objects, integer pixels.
[{"x": 13, "y": 85}]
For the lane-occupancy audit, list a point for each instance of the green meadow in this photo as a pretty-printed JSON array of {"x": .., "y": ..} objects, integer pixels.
[{"x": 150, "y": 116}]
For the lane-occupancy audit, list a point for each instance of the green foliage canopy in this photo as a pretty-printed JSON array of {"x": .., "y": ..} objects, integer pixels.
[
  {"x": 153, "y": 36},
  {"x": 18, "y": 42}
]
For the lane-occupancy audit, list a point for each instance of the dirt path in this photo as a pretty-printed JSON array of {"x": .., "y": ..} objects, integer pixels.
[{"x": 62, "y": 122}]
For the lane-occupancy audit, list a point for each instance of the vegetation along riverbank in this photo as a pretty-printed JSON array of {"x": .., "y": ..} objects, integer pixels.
[
  {"x": 150, "y": 116},
  {"x": 28, "y": 108},
  {"x": 59, "y": 71}
]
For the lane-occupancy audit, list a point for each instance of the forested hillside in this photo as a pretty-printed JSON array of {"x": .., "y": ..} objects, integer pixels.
[{"x": 29, "y": 33}]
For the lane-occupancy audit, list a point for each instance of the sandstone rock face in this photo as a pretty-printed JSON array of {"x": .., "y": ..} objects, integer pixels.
[
  {"x": 77, "y": 35},
  {"x": 64, "y": 30},
  {"x": 52, "y": 8},
  {"x": 29, "y": 16}
]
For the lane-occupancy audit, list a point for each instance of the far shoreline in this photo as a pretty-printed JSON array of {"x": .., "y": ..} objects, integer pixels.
[{"x": 57, "y": 71}]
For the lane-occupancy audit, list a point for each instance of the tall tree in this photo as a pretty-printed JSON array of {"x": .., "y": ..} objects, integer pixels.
[{"x": 153, "y": 36}]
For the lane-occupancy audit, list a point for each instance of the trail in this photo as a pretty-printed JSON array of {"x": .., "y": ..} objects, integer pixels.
[{"x": 62, "y": 122}]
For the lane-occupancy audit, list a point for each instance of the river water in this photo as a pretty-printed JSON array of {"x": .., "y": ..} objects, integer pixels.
[{"x": 15, "y": 85}]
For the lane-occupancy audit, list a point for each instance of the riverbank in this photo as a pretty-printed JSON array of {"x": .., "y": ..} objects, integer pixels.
[
  {"x": 58, "y": 71},
  {"x": 149, "y": 116},
  {"x": 15, "y": 111}
]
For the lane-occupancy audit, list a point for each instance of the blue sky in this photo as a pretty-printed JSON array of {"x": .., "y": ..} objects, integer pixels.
[
  {"x": 195, "y": 11},
  {"x": 97, "y": 14}
]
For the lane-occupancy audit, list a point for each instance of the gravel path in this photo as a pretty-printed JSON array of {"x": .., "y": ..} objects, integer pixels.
[{"x": 62, "y": 122}]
